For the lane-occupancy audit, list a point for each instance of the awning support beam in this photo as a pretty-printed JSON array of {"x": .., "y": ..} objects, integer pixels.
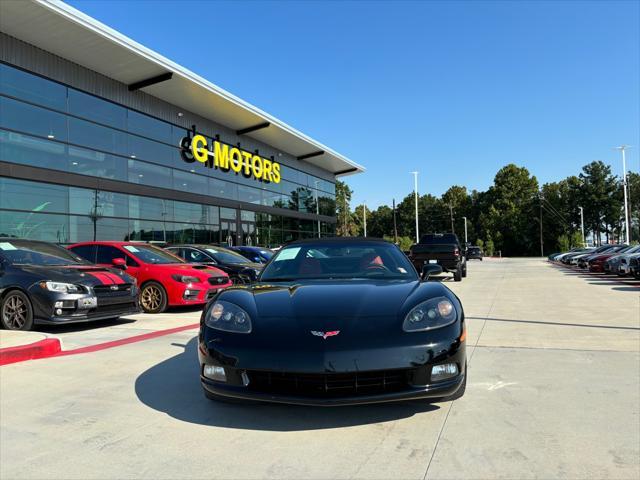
[
  {"x": 310, "y": 155},
  {"x": 342, "y": 172},
  {"x": 150, "y": 81},
  {"x": 259, "y": 126}
]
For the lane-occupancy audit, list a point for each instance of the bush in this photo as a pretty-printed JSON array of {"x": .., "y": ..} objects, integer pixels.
[{"x": 564, "y": 244}]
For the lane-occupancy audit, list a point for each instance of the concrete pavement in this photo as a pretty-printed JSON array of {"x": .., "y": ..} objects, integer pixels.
[{"x": 554, "y": 392}]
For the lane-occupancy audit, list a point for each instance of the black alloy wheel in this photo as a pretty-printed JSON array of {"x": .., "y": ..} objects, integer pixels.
[{"x": 16, "y": 312}]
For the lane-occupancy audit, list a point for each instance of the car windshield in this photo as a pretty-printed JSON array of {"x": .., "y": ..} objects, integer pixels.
[
  {"x": 222, "y": 255},
  {"x": 150, "y": 254},
  {"x": 337, "y": 260},
  {"x": 24, "y": 252}
]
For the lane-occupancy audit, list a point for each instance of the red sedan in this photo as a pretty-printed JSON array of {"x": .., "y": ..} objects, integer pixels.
[{"x": 164, "y": 279}]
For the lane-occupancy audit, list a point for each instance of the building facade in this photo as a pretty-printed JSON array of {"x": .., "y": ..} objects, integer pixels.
[{"x": 133, "y": 147}]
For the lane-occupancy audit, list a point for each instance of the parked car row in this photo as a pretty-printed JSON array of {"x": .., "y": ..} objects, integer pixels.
[
  {"x": 44, "y": 283},
  {"x": 620, "y": 259}
]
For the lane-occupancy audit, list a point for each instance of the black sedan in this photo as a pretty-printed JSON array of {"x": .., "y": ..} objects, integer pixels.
[
  {"x": 240, "y": 269},
  {"x": 335, "y": 322},
  {"x": 44, "y": 283}
]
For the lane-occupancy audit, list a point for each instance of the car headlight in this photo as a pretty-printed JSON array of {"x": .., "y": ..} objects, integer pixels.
[
  {"x": 228, "y": 317},
  {"x": 435, "y": 313},
  {"x": 185, "y": 278},
  {"x": 60, "y": 287}
]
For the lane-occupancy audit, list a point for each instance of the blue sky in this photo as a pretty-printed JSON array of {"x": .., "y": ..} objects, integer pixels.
[{"x": 452, "y": 89}]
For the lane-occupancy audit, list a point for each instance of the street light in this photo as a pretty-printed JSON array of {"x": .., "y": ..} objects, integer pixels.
[
  {"x": 584, "y": 244},
  {"x": 465, "y": 231},
  {"x": 415, "y": 190},
  {"x": 622, "y": 148},
  {"x": 364, "y": 208}
]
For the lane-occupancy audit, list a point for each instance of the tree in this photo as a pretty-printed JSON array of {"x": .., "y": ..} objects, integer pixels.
[
  {"x": 598, "y": 198},
  {"x": 346, "y": 225}
]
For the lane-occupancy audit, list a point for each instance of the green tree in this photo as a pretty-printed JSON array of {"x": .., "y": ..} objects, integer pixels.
[
  {"x": 346, "y": 224},
  {"x": 598, "y": 197}
]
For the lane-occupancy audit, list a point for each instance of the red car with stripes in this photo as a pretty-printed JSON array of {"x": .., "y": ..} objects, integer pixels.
[
  {"x": 165, "y": 280},
  {"x": 43, "y": 283}
]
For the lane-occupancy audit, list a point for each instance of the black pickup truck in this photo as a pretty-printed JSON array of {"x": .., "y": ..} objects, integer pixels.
[{"x": 443, "y": 249}]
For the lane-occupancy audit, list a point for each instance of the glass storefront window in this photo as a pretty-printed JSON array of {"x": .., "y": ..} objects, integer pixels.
[
  {"x": 249, "y": 194},
  {"x": 222, "y": 189},
  {"x": 228, "y": 213},
  {"x": 97, "y": 109},
  {"x": 144, "y": 149},
  {"x": 97, "y": 164},
  {"x": 149, "y": 174},
  {"x": 95, "y": 136},
  {"x": 32, "y": 88},
  {"x": 150, "y": 208},
  {"x": 18, "y": 148},
  {"x": 26, "y": 118},
  {"x": 35, "y": 226},
  {"x": 192, "y": 213},
  {"x": 189, "y": 182},
  {"x": 33, "y": 196},
  {"x": 149, "y": 127}
]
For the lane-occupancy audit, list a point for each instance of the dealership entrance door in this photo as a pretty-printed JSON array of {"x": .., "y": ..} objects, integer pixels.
[{"x": 249, "y": 233}]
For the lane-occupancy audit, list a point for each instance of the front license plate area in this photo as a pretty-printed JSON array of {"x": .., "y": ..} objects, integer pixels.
[{"x": 91, "y": 302}]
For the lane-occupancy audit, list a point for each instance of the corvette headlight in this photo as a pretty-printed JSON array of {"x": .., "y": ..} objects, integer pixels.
[
  {"x": 185, "y": 279},
  {"x": 435, "y": 313},
  {"x": 60, "y": 287},
  {"x": 228, "y": 317}
]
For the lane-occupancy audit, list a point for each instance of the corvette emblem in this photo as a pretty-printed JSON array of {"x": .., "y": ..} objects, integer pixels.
[{"x": 325, "y": 334}]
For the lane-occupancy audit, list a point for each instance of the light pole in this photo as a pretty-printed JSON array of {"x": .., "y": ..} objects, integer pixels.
[
  {"x": 415, "y": 190},
  {"x": 317, "y": 205},
  {"x": 622, "y": 148},
  {"x": 364, "y": 213},
  {"x": 465, "y": 231},
  {"x": 584, "y": 244}
]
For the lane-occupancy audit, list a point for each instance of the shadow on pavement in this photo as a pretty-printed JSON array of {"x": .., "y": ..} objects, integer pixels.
[{"x": 173, "y": 387}]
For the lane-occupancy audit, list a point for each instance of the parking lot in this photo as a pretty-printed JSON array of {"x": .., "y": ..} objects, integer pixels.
[{"x": 554, "y": 392}]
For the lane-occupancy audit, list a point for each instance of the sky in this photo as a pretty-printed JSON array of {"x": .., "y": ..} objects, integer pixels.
[{"x": 454, "y": 90}]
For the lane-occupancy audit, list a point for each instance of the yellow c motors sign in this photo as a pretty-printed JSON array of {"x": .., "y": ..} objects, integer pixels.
[{"x": 216, "y": 154}]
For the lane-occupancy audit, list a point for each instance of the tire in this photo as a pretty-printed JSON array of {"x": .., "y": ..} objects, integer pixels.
[
  {"x": 464, "y": 270},
  {"x": 153, "y": 298},
  {"x": 457, "y": 275},
  {"x": 16, "y": 312},
  {"x": 480, "y": 259}
]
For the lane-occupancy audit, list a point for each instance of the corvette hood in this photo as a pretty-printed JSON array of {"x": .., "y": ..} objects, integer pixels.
[{"x": 349, "y": 299}]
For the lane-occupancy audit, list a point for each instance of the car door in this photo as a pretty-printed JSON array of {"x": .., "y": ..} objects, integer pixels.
[{"x": 106, "y": 254}]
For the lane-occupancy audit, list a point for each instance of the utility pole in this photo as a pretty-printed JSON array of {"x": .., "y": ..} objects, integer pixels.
[
  {"x": 465, "y": 232},
  {"x": 364, "y": 211},
  {"x": 395, "y": 225},
  {"x": 451, "y": 213},
  {"x": 541, "y": 241},
  {"x": 584, "y": 244},
  {"x": 415, "y": 190},
  {"x": 622, "y": 148}
]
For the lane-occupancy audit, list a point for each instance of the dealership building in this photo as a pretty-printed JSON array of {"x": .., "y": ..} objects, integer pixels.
[{"x": 102, "y": 138}]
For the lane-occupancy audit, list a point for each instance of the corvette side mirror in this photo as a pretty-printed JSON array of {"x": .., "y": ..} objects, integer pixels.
[{"x": 430, "y": 270}]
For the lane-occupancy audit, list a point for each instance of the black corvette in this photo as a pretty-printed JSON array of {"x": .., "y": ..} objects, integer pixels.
[
  {"x": 240, "y": 269},
  {"x": 335, "y": 322},
  {"x": 44, "y": 283}
]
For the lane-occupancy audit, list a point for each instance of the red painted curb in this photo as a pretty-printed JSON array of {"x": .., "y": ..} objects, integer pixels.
[
  {"x": 125, "y": 341},
  {"x": 50, "y": 347},
  {"x": 41, "y": 349}
]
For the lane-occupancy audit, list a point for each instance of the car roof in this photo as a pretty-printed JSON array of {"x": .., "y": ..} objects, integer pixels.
[{"x": 338, "y": 240}]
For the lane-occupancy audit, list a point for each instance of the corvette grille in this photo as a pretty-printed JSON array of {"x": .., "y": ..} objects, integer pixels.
[{"x": 330, "y": 384}]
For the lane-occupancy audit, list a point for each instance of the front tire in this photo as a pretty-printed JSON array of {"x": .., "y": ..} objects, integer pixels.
[
  {"x": 16, "y": 312},
  {"x": 464, "y": 270},
  {"x": 153, "y": 298}
]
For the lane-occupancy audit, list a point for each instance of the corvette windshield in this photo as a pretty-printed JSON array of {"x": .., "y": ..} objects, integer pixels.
[
  {"x": 24, "y": 252},
  {"x": 348, "y": 260}
]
